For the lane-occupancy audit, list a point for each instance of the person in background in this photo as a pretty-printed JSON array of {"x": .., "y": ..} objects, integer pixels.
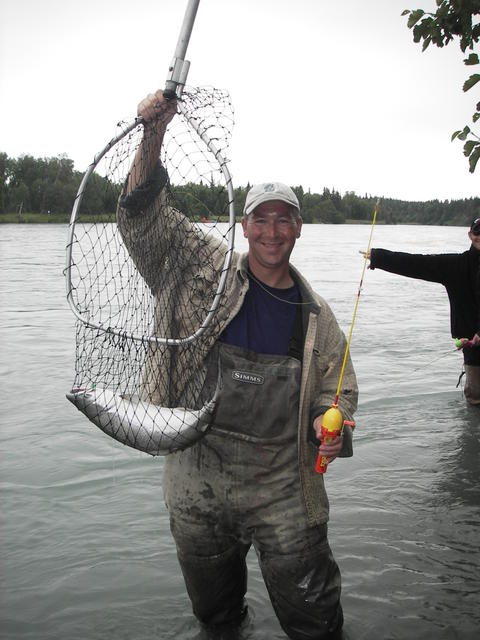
[
  {"x": 251, "y": 479},
  {"x": 459, "y": 273}
]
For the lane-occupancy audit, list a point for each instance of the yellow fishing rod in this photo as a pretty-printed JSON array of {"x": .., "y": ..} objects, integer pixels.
[{"x": 332, "y": 421}]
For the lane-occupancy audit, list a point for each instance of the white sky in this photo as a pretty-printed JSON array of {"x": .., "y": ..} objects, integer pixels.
[{"x": 327, "y": 93}]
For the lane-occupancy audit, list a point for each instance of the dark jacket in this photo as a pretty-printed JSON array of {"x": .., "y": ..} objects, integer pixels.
[{"x": 459, "y": 273}]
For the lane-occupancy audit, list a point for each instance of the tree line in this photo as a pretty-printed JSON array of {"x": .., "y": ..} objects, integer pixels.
[{"x": 49, "y": 186}]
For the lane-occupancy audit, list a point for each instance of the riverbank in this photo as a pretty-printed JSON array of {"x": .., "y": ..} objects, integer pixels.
[
  {"x": 49, "y": 218},
  {"x": 64, "y": 218}
]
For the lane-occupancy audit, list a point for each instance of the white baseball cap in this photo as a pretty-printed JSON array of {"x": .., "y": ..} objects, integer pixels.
[{"x": 269, "y": 191}]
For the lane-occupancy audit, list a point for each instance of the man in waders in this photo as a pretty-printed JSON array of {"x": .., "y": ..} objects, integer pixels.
[
  {"x": 251, "y": 479},
  {"x": 459, "y": 273}
]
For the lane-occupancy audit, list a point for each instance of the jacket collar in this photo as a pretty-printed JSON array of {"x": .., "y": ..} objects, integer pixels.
[{"x": 306, "y": 291}]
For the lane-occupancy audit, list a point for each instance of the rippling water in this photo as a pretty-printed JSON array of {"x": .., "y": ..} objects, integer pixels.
[{"x": 85, "y": 547}]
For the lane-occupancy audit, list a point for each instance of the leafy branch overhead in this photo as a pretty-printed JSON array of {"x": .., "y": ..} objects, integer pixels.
[{"x": 453, "y": 19}]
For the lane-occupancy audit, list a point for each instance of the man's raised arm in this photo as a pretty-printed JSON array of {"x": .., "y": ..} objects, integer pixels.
[{"x": 156, "y": 112}]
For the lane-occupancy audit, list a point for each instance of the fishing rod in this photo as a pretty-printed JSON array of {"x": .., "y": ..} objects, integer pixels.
[
  {"x": 460, "y": 343},
  {"x": 332, "y": 421}
]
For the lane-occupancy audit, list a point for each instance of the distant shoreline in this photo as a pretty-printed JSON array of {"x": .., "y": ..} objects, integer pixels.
[
  {"x": 46, "y": 218},
  {"x": 39, "y": 218}
]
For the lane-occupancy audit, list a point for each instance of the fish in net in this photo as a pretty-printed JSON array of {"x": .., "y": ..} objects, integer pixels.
[{"x": 146, "y": 272}]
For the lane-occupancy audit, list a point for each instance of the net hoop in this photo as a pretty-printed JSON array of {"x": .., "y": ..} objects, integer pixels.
[{"x": 230, "y": 238}]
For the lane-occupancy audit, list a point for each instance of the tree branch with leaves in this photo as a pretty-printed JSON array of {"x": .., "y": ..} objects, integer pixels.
[{"x": 453, "y": 19}]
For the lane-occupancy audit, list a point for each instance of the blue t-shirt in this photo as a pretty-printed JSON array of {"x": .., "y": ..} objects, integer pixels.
[{"x": 265, "y": 322}]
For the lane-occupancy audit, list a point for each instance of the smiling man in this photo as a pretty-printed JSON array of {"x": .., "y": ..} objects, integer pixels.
[
  {"x": 251, "y": 479},
  {"x": 271, "y": 224}
]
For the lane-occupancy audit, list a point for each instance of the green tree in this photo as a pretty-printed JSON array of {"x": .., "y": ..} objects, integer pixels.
[
  {"x": 240, "y": 193},
  {"x": 5, "y": 177},
  {"x": 453, "y": 19},
  {"x": 357, "y": 208},
  {"x": 300, "y": 193},
  {"x": 318, "y": 208}
]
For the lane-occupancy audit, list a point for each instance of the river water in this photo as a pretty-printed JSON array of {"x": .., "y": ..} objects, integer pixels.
[{"x": 85, "y": 547}]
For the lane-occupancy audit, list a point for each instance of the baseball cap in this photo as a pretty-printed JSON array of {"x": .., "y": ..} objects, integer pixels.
[
  {"x": 267, "y": 191},
  {"x": 475, "y": 227}
]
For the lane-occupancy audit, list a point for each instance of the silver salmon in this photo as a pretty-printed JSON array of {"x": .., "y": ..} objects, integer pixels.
[{"x": 141, "y": 425}]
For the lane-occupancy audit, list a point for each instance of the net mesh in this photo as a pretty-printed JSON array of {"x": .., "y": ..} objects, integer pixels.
[{"x": 145, "y": 280}]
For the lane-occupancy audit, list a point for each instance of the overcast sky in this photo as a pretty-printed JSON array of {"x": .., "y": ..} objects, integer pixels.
[{"x": 327, "y": 93}]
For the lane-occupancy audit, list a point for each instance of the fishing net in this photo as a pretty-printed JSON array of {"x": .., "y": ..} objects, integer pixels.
[{"x": 145, "y": 276}]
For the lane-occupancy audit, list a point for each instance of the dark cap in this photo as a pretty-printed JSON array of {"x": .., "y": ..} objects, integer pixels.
[{"x": 475, "y": 227}]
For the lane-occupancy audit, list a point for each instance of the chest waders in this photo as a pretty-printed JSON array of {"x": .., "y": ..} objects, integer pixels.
[
  {"x": 239, "y": 486},
  {"x": 259, "y": 394},
  {"x": 472, "y": 384}
]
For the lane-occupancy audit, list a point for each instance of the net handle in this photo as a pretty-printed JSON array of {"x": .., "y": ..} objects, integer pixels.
[{"x": 179, "y": 67}]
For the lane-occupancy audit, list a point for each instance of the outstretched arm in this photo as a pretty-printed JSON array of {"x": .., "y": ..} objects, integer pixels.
[
  {"x": 430, "y": 267},
  {"x": 145, "y": 221},
  {"x": 159, "y": 238},
  {"x": 156, "y": 112}
]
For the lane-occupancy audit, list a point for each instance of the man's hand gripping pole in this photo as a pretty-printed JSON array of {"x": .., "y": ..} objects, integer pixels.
[
  {"x": 332, "y": 427},
  {"x": 179, "y": 67}
]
